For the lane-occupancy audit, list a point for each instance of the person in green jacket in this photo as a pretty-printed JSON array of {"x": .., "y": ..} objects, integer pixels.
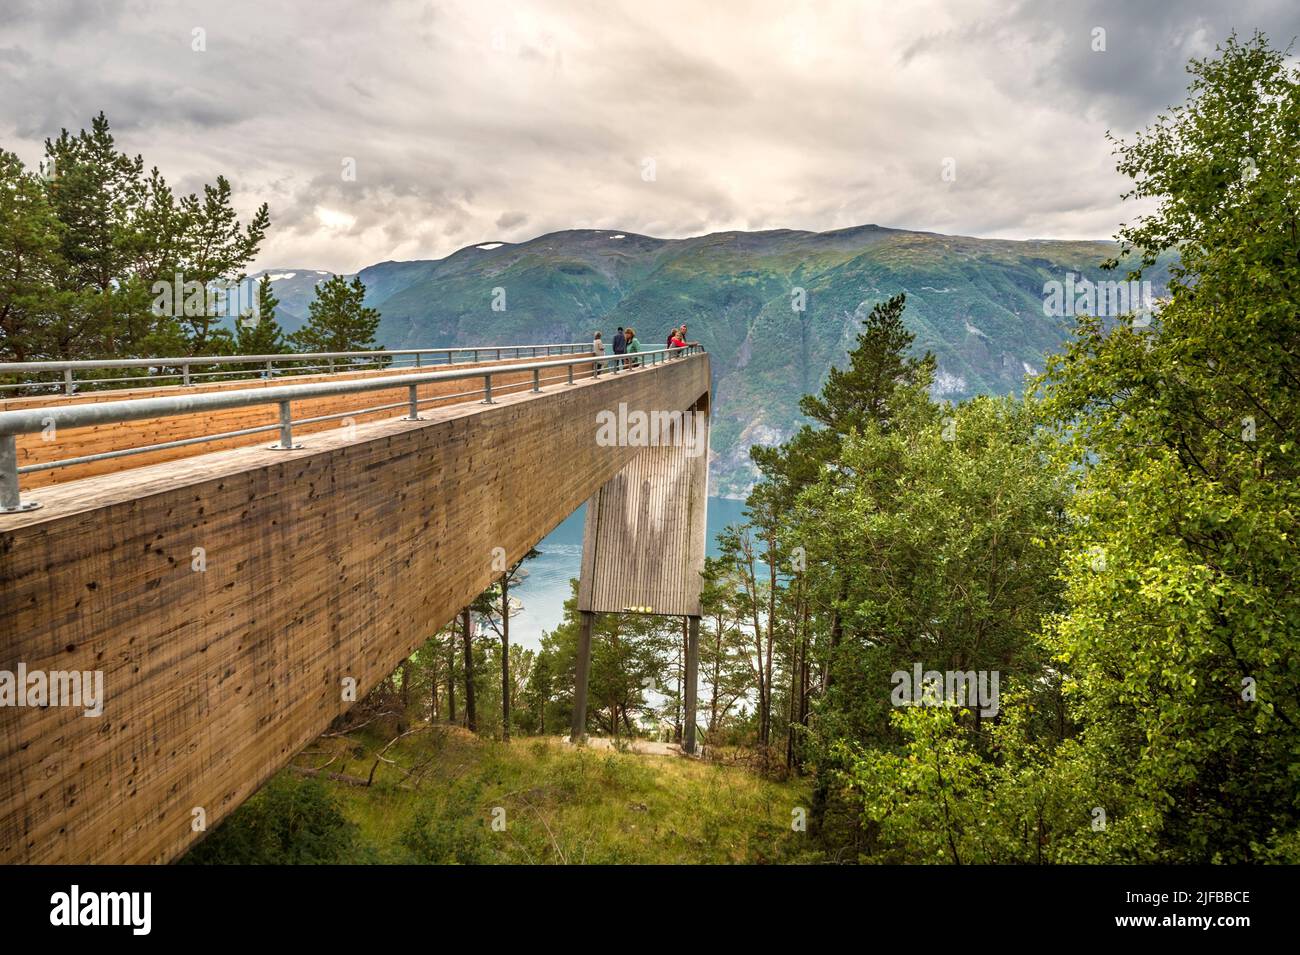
[{"x": 633, "y": 344}]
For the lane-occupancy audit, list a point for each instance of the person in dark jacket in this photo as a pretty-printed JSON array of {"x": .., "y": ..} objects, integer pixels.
[{"x": 620, "y": 346}]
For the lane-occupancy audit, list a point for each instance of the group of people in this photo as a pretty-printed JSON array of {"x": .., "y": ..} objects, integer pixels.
[{"x": 626, "y": 342}]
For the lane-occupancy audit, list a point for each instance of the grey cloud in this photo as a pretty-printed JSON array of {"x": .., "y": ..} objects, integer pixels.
[{"x": 471, "y": 122}]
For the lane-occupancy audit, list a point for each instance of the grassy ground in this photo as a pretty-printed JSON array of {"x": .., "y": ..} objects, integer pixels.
[{"x": 449, "y": 797}]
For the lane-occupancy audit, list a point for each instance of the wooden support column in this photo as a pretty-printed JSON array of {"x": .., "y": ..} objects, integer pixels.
[
  {"x": 471, "y": 723},
  {"x": 643, "y": 545},
  {"x": 692, "y": 671},
  {"x": 578, "y": 729}
]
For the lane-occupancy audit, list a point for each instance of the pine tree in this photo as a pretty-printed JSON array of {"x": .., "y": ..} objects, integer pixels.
[
  {"x": 119, "y": 235},
  {"x": 215, "y": 246},
  {"x": 339, "y": 319},
  {"x": 29, "y": 264},
  {"x": 262, "y": 334}
]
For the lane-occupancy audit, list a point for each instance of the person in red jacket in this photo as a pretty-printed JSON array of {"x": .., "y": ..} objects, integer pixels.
[{"x": 675, "y": 339}]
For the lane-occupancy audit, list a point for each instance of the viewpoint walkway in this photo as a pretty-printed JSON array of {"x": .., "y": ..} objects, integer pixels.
[{"x": 230, "y": 599}]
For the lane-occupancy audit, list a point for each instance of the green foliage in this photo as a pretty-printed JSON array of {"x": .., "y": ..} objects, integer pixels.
[
  {"x": 29, "y": 262},
  {"x": 450, "y": 830},
  {"x": 1119, "y": 547},
  {"x": 630, "y": 653},
  {"x": 1181, "y": 614},
  {"x": 289, "y": 822},
  {"x": 88, "y": 243},
  {"x": 262, "y": 336},
  {"x": 338, "y": 319}
]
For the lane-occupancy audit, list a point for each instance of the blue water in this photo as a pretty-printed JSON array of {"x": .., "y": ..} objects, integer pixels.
[{"x": 546, "y": 587}]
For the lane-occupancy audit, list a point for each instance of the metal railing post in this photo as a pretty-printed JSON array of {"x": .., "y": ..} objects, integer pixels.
[
  {"x": 414, "y": 401},
  {"x": 476, "y": 356},
  {"x": 67, "y": 381},
  {"x": 417, "y": 359},
  {"x": 185, "y": 374},
  {"x": 286, "y": 430},
  {"x": 487, "y": 390},
  {"x": 10, "y": 501},
  {"x": 537, "y": 380},
  {"x": 570, "y": 374},
  {"x": 270, "y": 368}
]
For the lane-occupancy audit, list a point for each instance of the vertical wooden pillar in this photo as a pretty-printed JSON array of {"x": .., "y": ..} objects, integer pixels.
[
  {"x": 692, "y": 671},
  {"x": 578, "y": 729},
  {"x": 470, "y": 722}
]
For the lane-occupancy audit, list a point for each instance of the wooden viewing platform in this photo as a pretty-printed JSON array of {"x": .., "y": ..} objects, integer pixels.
[{"x": 231, "y": 596}]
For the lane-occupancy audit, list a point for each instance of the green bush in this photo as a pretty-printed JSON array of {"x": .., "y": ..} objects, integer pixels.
[{"x": 289, "y": 822}]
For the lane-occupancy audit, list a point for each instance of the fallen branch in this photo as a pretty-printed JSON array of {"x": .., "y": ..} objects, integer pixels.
[{"x": 332, "y": 777}]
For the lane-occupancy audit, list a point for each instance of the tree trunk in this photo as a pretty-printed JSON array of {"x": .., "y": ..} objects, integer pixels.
[
  {"x": 677, "y": 703},
  {"x": 717, "y": 670},
  {"x": 805, "y": 671},
  {"x": 751, "y": 588},
  {"x": 505, "y": 657},
  {"x": 837, "y": 634},
  {"x": 451, "y": 677},
  {"x": 771, "y": 626},
  {"x": 433, "y": 686},
  {"x": 470, "y": 723},
  {"x": 789, "y": 709}
]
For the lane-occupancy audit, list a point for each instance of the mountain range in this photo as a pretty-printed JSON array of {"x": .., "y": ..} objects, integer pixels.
[{"x": 977, "y": 304}]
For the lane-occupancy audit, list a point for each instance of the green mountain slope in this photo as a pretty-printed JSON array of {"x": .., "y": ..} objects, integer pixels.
[{"x": 976, "y": 303}]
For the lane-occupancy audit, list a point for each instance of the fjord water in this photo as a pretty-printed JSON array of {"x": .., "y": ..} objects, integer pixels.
[{"x": 547, "y": 585}]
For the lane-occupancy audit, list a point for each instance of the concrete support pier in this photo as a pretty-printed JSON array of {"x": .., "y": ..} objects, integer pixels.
[
  {"x": 643, "y": 547},
  {"x": 692, "y": 673},
  {"x": 578, "y": 729}
]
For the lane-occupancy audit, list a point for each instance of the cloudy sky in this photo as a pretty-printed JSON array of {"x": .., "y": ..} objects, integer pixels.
[{"x": 467, "y": 122}]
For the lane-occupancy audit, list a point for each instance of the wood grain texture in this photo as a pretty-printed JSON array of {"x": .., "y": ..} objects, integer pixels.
[
  {"x": 645, "y": 533},
  {"x": 75, "y": 442},
  {"x": 334, "y": 561}
]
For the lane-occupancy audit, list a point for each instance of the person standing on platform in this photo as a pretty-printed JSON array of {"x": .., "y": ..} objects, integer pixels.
[{"x": 620, "y": 347}]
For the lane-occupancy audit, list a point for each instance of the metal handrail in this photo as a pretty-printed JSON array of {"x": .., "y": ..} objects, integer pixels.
[
  {"x": 33, "y": 420},
  {"x": 186, "y": 362}
]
